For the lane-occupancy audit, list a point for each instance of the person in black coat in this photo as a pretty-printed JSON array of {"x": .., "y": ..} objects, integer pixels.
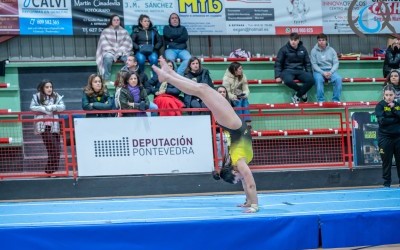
[
  {"x": 293, "y": 63},
  {"x": 387, "y": 112},
  {"x": 175, "y": 38},
  {"x": 392, "y": 57},
  {"x": 146, "y": 42},
  {"x": 198, "y": 74}
]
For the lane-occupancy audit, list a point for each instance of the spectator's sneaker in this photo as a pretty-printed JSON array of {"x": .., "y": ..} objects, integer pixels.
[
  {"x": 304, "y": 98},
  {"x": 295, "y": 99}
]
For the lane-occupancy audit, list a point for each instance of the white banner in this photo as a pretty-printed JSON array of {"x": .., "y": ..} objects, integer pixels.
[
  {"x": 367, "y": 16},
  {"x": 143, "y": 145},
  {"x": 204, "y": 17},
  {"x": 231, "y": 17}
]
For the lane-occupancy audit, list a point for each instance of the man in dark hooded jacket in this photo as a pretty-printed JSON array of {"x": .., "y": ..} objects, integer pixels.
[
  {"x": 175, "y": 38},
  {"x": 293, "y": 63}
]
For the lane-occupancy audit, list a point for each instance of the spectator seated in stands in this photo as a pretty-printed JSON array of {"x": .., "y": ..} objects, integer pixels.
[
  {"x": 175, "y": 38},
  {"x": 146, "y": 42},
  {"x": 293, "y": 62},
  {"x": 118, "y": 84},
  {"x": 198, "y": 74},
  {"x": 167, "y": 97},
  {"x": 235, "y": 82},
  {"x": 96, "y": 96},
  {"x": 48, "y": 103},
  {"x": 114, "y": 44},
  {"x": 394, "y": 78},
  {"x": 224, "y": 92},
  {"x": 392, "y": 57},
  {"x": 131, "y": 66},
  {"x": 225, "y": 137},
  {"x": 325, "y": 64},
  {"x": 133, "y": 95}
]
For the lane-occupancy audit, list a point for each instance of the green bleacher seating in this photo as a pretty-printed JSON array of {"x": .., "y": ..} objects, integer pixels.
[{"x": 362, "y": 88}]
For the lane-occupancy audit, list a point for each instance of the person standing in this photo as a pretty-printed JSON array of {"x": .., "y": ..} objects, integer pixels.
[
  {"x": 48, "y": 102},
  {"x": 114, "y": 44},
  {"x": 325, "y": 64},
  {"x": 387, "y": 112},
  {"x": 394, "y": 78},
  {"x": 293, "y": 63},
  {"x": 175, "y": 38}
]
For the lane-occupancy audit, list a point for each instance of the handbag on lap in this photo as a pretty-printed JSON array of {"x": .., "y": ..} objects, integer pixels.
[{"x": 147, "y": 48}]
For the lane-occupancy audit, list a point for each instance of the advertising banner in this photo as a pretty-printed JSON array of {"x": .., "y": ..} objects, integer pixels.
[
  {"x": 45, "y": 17},
  {"x": 9, "y": 21},
  {"x": 360, "y": 16},
  {"x": 205, "y": 17},
  {"x": 91, "y": 17},
  {"x": 365, "y": 140},
  {"x": 232, "y": 17},
  {"x": 143, "y": 145}
]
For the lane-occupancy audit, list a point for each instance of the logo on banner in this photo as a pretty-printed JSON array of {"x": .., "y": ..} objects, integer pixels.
[
  {"x": 382, "y": 16},
  {"x": 298, "y": 10},
  {"x": 45, "y": 3},
  {"x": 143, "y": 147},
  {"x": 162, "y": 146},
  {"x": 209, "y": 6},
  {"x": 111, "y": 148}
]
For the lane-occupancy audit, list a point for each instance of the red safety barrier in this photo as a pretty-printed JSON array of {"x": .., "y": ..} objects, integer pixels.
[
  {"x": 272, "y": 81},
  {"x": 4, "y": 85},
  {"x": 3, "y": 111},
  {"x": 359, "y": 79},
  {"x": 273, "y": 58},
  {"x": 284, "y": 136},
  {"x": 5, "y": 140},
  {"x": 327, "y": 131}
]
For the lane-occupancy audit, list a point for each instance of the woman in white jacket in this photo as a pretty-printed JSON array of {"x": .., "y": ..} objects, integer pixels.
[
  {"x": 235, "y": 82},
  {"x": 47, "y": 102}
]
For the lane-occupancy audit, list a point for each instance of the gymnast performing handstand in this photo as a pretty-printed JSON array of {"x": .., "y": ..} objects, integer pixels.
[{"x": 240, "y": 150}]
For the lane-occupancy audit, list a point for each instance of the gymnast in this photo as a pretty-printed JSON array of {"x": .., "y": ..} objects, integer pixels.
[{"x": 240, "y": 150}]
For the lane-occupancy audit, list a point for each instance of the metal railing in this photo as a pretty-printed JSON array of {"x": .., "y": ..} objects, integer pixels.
[{"x": 284, "y": 136}]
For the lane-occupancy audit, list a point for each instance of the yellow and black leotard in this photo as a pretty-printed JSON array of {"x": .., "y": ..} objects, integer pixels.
[{"x": 241, "y": 145}]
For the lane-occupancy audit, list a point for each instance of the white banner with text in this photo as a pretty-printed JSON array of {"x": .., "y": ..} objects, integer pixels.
[
  {"x": 205, "y": 17},
  {"x": 143, "y": 145}
]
